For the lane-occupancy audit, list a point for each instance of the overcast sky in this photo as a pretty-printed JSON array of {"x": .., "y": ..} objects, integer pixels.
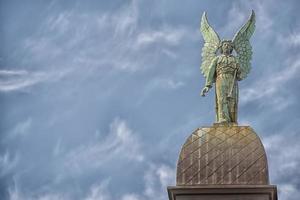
[{"x": 97, "y": 97}]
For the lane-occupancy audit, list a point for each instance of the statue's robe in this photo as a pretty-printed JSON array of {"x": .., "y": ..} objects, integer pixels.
[{"x": 224, "y": 71}]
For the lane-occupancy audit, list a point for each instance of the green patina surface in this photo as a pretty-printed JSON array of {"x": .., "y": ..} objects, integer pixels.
[{"x": 225, "y": 69}]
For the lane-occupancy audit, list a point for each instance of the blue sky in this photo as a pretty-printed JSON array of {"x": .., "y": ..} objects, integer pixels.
[{"x": 97, "y": 97}]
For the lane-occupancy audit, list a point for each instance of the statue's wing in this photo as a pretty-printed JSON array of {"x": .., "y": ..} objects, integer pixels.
[
  {"x": 211, "y": 45},
  {"x": 243, "y": 47}
]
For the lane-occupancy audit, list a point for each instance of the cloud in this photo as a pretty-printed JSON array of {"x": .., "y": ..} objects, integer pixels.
[
  {"x": 60, "y": 23},
  {"x": 284, "y": 162},
  {"x": 131, "y": 197},
  {"x": 16, "y": 80},
  {"x": 57, "y": 150},
  {"x": 14, "y": 194},
  {"x": 166, "y": 83},
  {"x": 21, "y": 80},
  {"x": 99, "y": 192},
  {"x": 121, "y": 144},
  {"x": 126, "y": 19},
  {"x": 240, "y": 11},
  {"x": 169, "y": 53},
  {"x": 52, "y": 197},
  {"x": 21, "y": 128},
  {"x": 270, "y": 85},
  {"x": 157, "y": 178},
  {"x": 8, "y": 162},
  {"x": 85, "y": 47},
  {"x": 11, "y": 73},
  {"x": 292, "y": 39},
  {"x": 103, "y": 42},
  {"x": 160, "y": 84},
  {"x": 168, "y": 36},
  {"x": 166, "y": 175},
  {"x": 288, "y": 192},
  {"x": 235, "y": 19}
]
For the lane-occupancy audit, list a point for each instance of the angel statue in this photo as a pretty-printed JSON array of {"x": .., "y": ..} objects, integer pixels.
[{"x": 226, "y": 69}]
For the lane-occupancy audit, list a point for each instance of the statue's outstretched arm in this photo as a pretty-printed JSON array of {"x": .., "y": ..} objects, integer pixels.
[{"x": 210, "y": 76}]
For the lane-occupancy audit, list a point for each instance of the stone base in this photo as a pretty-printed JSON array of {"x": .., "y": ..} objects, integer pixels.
[{"x": 223, "y": 192}]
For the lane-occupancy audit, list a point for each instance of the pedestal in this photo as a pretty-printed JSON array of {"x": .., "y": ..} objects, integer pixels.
[{"x": 223, "y": 192}]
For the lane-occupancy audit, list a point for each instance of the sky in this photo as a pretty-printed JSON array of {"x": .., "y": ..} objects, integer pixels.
[{"x": 97, "y": 97}]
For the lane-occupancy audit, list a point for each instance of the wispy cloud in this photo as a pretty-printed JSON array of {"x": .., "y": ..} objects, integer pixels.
[
  {"x": 11, "y": 73},
  {"x": 126, "y": 19},
  {"x": 99, "y": 192},
  {"x": 15, "y": 194},
  {"x": 20, "y": 79},
  {"x": 157, "y": 178},
  {"x": 22, "y": 128},
  {"x": 160, "y": 84},
  {"x": 121, "y": 143},
  {"x": 7, "y": 163},
  {"x": 166, "y": 83},
  {"x": 270, "y": 85},
  {"x": 292, "y": 39},
  {"x": 58, "y": 147},
  {"x": 131, "y": 197},
  {"x": 282, "y": 149},
  {"x": 102, "y": 42},
  {"x": 169, "y": 36},
  {"x": 65, "y": 42},
  {"x": 240, "y": 11}
]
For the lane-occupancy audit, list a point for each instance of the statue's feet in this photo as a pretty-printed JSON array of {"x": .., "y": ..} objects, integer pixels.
[
  {"x": 225, "y": 123},
  {"x": 222, "y": 121}
]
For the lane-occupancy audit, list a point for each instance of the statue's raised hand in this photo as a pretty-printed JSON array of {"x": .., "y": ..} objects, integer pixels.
[{"x": 204, "y": 90}]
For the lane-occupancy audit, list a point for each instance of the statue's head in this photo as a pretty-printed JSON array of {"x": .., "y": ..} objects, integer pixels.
[{"x": 226, "y": 47}]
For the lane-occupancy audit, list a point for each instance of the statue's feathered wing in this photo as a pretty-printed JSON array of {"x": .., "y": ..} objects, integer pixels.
[
  {"x": 243, "y": 47},
  {"x": 211, "y": 44}
]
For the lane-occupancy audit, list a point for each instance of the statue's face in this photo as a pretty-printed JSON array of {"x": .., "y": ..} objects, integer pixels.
[{"x": 227, "y": 47}]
